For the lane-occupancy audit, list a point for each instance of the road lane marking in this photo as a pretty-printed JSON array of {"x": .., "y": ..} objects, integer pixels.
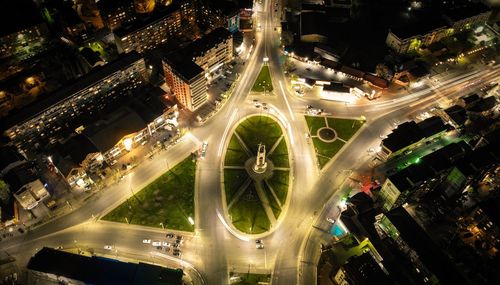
[{"x": 286, "y": 102}]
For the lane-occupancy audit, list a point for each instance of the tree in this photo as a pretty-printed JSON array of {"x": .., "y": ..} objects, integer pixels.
[
  {"x": 4, "y": 191},
  {"x": 383, "y": 71}
]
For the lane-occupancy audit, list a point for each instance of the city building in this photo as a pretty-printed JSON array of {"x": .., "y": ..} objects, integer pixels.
[
  {"x": 146, "y": 33},
  {"x": 220, "y": 14},
  {"x": 455, "y": 116},
  {"x": 465, "y": 15},
  {"x": 30, "y": 194},
  {"x": 187, "y": 71},
  {"x": 410, "y": 135},
  {"x": 116, "y": 13},
  {"x": 337, "y": 91},
  {"x": 186, "y": 80},
  {"x": 130, "y": 126},
  {"x": 427, "y": 257},
  {"x": 9, "y": 158},
  {"x": 57, "y": 265},
  {"x": 212, "y": 51},
  {"x": 74, "y": 157},
  {"x": 24, "y": 37},
  {"x": 45, "y": 121},
  {"x": 436, "y": 23},
  {"x": 361, "y": 270},
  {"x": 313, "y": 24}
]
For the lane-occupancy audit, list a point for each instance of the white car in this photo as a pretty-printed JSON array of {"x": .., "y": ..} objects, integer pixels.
[
  {"x": 166, "y": 243},
  {"x": 330, "y": 220},
  {"x": 156, "y": 243},
  {"x": 108, "y": 247},
  {"x": 148, "y": 241},
  {"x": 203, "y": 150}
]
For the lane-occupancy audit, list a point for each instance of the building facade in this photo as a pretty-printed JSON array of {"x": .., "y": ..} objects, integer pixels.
[
  {"x": 116, "y": 13},
  {"x": 145, "y": 35},
  {"x": 25, "y": 43},
  {"x": 213, "y": 50},
  {"x": 187, "y": 82},
  {"x": 402, "y": 44},
  {"x": 43, "y": 123}
]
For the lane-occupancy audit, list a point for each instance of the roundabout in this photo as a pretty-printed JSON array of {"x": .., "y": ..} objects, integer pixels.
[{"x": 256, "y": 175}]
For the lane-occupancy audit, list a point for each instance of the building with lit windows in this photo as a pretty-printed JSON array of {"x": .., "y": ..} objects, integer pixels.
[
  {"x": 23, "y": 34},
  {"x": 212, "y": 50},
  {"x": 48, "y": 120},
  {"x": 187, "y": 81},
  {"x": 116, "y": 13},
  {"x": 432, "y": 26},
  {"x": 132, "y": 125},
  {"x": 148, "y": 33}
]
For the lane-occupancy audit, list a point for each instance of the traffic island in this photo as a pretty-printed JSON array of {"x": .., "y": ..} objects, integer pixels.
[
  {"x": 330, "y": 134},
  {"x": 256, "y": 174},
  {"x": 263, "y": 83},
  {"x": 247, "y": 278},
  {"x": 167, "y": 202}
]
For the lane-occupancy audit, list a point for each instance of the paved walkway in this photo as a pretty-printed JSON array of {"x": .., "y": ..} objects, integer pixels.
[
  {"x": 265, "y": 202},
  {"x": 243, "y": 144},
  {"x": 275, "y": 145},
  {"x": 239, "y": 192}
]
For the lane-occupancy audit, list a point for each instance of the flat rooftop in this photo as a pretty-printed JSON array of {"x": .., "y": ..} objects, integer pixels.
[{"x": 101, "y": 270}]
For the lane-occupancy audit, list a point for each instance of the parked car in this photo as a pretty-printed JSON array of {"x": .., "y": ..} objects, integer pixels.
[
  {"x": 148, "y": 241},
  {"x": 108, "y": 247}
]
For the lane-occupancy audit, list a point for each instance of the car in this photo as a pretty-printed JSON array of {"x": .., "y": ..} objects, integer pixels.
[
  {"x": 259, "y": 241},
  {"x": 176, "y": 245},
  {"x": 60, "y": 247},
  {"x": 108, "y": 247},
  {"x": 166, "y": 243},
  {"x": 408, "y": 151},
  {"x": 170, "y": 235},
  {"x": 179, "y": 237},
  {"x": 203, "y": 150},
  {"x": 330, "y": 220},
  {"x": 148, "y": 241},
  {"x": 259, "y": 246},
  {"x": 156, "y": 243},
  {"x": 308, "y": 69},
  {"x": 177, "y": 253}
]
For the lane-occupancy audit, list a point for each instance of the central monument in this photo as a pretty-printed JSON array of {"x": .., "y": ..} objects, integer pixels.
[{"x": 260, "y": 162}]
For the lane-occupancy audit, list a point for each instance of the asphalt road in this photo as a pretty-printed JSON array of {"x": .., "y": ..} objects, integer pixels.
[{"x": 292, "y": 250}]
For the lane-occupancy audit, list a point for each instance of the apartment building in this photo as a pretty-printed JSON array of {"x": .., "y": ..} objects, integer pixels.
[
  {"x": 186, "y": 80},
  {"x": 45, "y": 121}
]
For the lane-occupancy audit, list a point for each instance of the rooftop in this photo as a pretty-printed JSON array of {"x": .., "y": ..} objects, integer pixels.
[
  {"x": 429, "y": 252},
  {"x": 413, "y": 23},
  {"x": 8, "y": 155},
  {"x": 457, "y": 114},
  {"x": 106, "y": 133},
  {"x": 207, "y": 42},
  {"x": 20, "y": 175},
  {"x": 62, "y": 94},
  {"x": 313, "y": 23},
  {"x": 101, "y": 270},
  {"x": 466, "y": 10},
  {"x": 336, "y": 87},
  {"x": 364, "y": 270},
  {"x": 483, "y": 104},
  {"x": 184, "y": 68},
  {"x": 410, "y": 132},
  {"x": 160, "y": 13}
]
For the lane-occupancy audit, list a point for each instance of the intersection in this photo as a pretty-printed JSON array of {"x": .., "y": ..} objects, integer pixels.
[{"x": 292, "y": 249}]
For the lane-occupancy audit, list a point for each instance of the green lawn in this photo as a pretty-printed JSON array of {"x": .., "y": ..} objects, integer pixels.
[
  {"x": 327, "y": 149},
  {"x": 235, "y": 154},
  {"x": 251, "y": 279},
  {"x": 233, "y": 180},
  {"x": 259, "y": 129},
  {"x": 280, "y": 155},
  {"x": 279, "y": 182},
  {"x": 263, "y": 81},
  {"x": 168, "y": 200},
  {"x": 272, "y": 202},
  {"x": 314, "y": 124},
  {"x": 248, "y": 215},
  {"x": 345, "y": 128}
]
